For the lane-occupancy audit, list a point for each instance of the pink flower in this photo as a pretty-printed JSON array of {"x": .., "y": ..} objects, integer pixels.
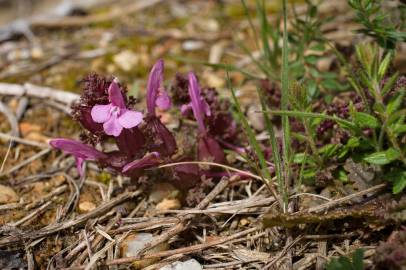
[
  {"x": 162, "y": 139},
  {"x": 115, "y": 116},
  {"x": 80, "y": 151},
  {"x": 156, "y": 94}
]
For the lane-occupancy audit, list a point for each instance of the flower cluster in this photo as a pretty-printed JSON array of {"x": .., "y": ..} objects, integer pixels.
[
  {"x": 108, "y": 115},
  {"x": 141, "y": 139}
]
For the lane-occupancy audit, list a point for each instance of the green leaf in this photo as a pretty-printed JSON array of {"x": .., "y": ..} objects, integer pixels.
[
  {"x": 342, "y": 176},
  {"x": 398, "y": 179},
  {"x": 299, "y": 157},
  {"x": 399, "y": 184},
  {"x": 389, "y": 83},
  {"x": 365, "y": 120},
  {"x": 395, "y": 102},
  {"x": 318, "y": 47},
  {"x": 358, "y": 259},
  {"x": 398, "y": 129},
  {"x": 312, "y": 89},
  {"x": 353, "y": 142},
  {"x": 330, "y": 84},
  {"x": 329, "y": 150},
  {"x": 311, "y": 59},
  {"x": 383, "y": 67},
  {"x": 382, "y": 158}
]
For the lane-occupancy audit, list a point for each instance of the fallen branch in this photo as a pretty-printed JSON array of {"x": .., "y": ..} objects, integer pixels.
[
  {"x": 57, "y": 227},
  {"x": 182, "y": 225},
  {"x": 184, "y": 250},
  {"x": 76, "y": 21},
  {"x": 32, "y": 90}
]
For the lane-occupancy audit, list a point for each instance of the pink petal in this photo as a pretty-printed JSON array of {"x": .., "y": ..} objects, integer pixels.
[
  {"x": 154, "y": 82},
  {"x": 148, "y": 160},
  {"x": 130, "y": 119},
  {"x": 185, "y": 109},
  {"x": 115, "y": 95},
  {"x": 163, "y": 101},
  {"x": 205, "y": 107},
  {"x": 199, "y": 110},
  {"x": 79, "y": 166},
  {"x": 76, "y": 148},
  {"x": 101, "y": 113},
  {"x": 112, "y": 126}
]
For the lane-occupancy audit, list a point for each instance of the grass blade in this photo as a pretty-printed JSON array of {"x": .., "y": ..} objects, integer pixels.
[
  {"x": 275, "y": 148},
  {"x": 227, "y": 67},
  {"x": 264, "y": 172},
  {"x": 341, "y": 121},
  {"x": 285, "y": 99}
]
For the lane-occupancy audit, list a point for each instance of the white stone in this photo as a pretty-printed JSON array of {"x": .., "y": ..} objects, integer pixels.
[
  {"x": 186, "y": 265},
  {"x": 126, "y": 60},
  {"x": 136, "y": 243},
  {"x": 7, "y": 195}
]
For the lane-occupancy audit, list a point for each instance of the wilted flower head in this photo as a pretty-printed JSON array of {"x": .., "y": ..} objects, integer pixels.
[
  {"x": 115, "y": 116},
  {"x": 80, "y": 151}
]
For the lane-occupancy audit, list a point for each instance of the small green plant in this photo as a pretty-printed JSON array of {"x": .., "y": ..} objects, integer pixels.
[
  {"x": 377, "y": 24},
  {"x": 345, "y": 263},
  {"x": 376, "y": 124}
]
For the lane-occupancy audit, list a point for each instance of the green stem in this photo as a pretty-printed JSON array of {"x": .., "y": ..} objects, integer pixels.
[
  {"x": 312, "y": 143},
  {"x": 284, "y": 103}
]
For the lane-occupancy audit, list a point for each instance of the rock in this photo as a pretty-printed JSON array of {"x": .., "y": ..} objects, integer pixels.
[
  {"x": 7, "y": 195},
  {"x": 126, "y": 60},
  {"x": 324, "y": 64},
  {"x": 214, "y": 80},
  {"x": 255, "y": 118},
  {"x": 86, "y": 206},
  {"x": 134, "y": 243},
  {"x": 168, "y": 204},
  {"x": 27, "y": 127},
  {"x": 38, "y": 137},
  {"x": 186, "y": 265},
  {"x": 37, "y": 53},
  {"x": 192, "y": 45},
  {"x": 162, "y": 190},
  {"x": 244, "y": 222}
]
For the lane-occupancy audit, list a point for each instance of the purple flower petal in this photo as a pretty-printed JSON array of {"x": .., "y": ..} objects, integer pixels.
[
  {"x": 112, "y": 127},
  {"x": 130, "y": 141},
  {"x": 186, "y": 176},
  {"x": 76, "y": 148},
  {"x": 81, "y": 151},
  {"x": 154, "y": 83},
  {"x": 79, "y": 165},
  {"x": 199, "y": 110},
  {"x": 162, "y": 139},
  {"x": 185, "y": 109},
  {"x": 101, "y": 113},
  {"x": 115, "y": 95},
  {"x": 205, "y": 107},
  {"x": 209, "y": 149},
  {"x": 148, "y": 160},
  {"x": 130, "y": 119},
  {"x": 163, "y": 101}
]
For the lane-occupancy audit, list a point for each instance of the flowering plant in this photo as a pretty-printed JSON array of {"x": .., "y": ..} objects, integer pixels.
[{"x": 142, "y": 140}]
